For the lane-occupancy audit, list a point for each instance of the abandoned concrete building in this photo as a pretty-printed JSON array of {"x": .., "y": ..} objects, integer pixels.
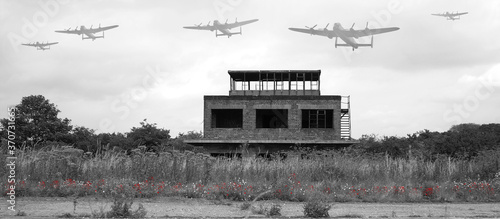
[{"x": 269, "y": 111}]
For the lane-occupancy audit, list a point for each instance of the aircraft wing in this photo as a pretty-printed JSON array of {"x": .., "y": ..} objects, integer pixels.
[
  {"x": 69, "y": 31},
  {"x": 368, "y": 32},
  {"x": 319, "y": 32},
  {"x": 29, "y": 44},
  {"x": 237, "y": 24},
  {"x": 443, "y": 15},
  {"x": 48, "y": 44},
  {"x": 450, "y": 14},
  {"x": 99, "y": 29},
  {"x": 206, "y": 27}
]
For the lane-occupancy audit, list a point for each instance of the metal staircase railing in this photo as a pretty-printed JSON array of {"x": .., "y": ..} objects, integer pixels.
[{"x": 345, "y": 118}]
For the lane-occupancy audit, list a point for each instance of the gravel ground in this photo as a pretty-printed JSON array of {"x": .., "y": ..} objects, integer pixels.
[{"x": 44, "y": 207}]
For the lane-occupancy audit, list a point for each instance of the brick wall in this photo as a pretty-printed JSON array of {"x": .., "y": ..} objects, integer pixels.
[{"x": 294, "y": 105}]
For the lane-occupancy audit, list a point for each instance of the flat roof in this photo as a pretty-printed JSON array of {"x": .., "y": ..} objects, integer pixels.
[
  {"x": 275, "y": 75},
  {"x": 283, "y": 97},
  {"x": 256, "y": 141}
]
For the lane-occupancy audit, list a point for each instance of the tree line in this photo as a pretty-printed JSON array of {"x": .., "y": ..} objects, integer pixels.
[
  {"x": 463, "y": 141},
  {"x": 38, "y": 125}
]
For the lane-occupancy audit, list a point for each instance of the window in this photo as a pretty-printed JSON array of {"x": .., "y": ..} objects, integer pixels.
[
  {"x": 272, "y": 118},
  {"x": 317, "y": 118},
  {"x": 227, "y": 118}
]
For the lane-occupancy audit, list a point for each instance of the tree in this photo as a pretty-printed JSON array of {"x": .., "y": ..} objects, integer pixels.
[
  {"x": 83, "y": 138},
  {"x": 148, "y": 134},
  {"x": 465, "y": 127},
  {"x": 116, "y": 140},
  {"x": 36, "y": 121},
  {"x": 190, "y": 135}
]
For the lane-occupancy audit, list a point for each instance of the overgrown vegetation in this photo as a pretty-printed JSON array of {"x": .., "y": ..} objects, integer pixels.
[
  {"x": 245, "y": 206},
  {"x": 337, "y": 175},
  {"x": 121, "y": 208},
  {"x": 457, "y": 165},
  {"x": 316, "y": 208},
  {"x": 275, "y": 210}
]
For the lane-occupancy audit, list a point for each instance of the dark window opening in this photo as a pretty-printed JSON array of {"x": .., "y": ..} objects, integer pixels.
[
  {"x": 317, "y": 118},
  {"x": 272, "y": 118},
  {"x": 227, "y": 118}
]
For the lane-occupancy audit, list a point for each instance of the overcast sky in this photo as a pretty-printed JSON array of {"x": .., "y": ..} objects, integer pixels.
[{"x": 431, "y": 74}]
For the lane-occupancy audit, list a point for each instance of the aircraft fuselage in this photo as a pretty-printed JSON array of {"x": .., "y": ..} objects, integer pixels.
[
  {"x": 339, "y": 30},
  {"x": 89, "y": 34},
  {"x": 218, "y": 26}
]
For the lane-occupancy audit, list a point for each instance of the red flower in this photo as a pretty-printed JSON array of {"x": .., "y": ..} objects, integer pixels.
[{"x": 428, "y": 192}]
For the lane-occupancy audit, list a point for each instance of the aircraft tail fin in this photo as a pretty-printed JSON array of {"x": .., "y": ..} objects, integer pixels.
[
  {"x": 92, "y": 37},
  {"x": 366, "y": 44},
  {"x": 228, "y": 35},
  {"x": 356, "y": 45}
]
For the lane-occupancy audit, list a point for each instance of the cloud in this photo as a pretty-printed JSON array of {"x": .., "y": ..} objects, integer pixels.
[{"x": 404, "y": 84}]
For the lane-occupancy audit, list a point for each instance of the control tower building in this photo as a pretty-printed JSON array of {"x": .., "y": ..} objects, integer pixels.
[{"x": 272, "y": 110}]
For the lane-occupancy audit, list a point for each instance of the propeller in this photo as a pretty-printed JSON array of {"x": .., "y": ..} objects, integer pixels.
[
  {"x": 209, "y": 23},
  {"x": 366, "y": 28},
  {"x": 236, "y": 20},
  {"x": 226, "y": 20},
  {"x": 91, "y": 26},
  {"x": 352, "y": 27},
  {"x": 327, "y": 26},
  {"x": 198, "y": 24},
  {"x": 312, "y": 27},
  {"x": 99, "y": 25}
]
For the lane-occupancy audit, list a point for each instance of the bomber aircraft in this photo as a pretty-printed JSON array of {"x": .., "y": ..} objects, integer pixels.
[
  {"x": 88, "y": 32},
  {"x": 347, "y": 36},
  {"x": 40, "y": 46},
  {"x": 451, "y": 16},
  {"x": 223, "y": 28}
]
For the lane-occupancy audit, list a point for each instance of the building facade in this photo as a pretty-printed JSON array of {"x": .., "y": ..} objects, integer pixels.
[{"x": 268, "y": 111}]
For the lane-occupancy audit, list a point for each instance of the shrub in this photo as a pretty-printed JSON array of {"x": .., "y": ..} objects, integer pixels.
[
  {"x": 275, "y": 210},
  {"x": 66, "y": 215},
  {"x": 245, "y": 206},
  {"x": 121, "y": 208},
  {"x": 316, "y": 208},
  {"x": 21, "y": 213},
  {"x": 260, "y": 210}
]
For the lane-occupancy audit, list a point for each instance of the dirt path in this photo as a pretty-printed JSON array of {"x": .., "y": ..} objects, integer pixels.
[{"x": 41, "y": 207}]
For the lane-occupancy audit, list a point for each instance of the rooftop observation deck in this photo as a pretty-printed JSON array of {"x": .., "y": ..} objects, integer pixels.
[{"x": 275, "y": 83}]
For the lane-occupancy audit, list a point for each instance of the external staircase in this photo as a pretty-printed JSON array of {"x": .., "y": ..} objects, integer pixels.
[{"x": 345, "y": 118}]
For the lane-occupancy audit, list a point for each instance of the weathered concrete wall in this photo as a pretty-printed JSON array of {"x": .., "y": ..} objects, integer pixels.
[{"x": 294, "y": 105}]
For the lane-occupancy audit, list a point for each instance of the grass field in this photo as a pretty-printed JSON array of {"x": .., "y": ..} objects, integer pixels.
[{"x": 327, "y": 175}]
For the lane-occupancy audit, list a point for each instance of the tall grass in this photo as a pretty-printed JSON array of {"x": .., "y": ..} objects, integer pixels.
[
  {"x": 321, "y": 168},
  {"x": 190, "y": 167}
]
